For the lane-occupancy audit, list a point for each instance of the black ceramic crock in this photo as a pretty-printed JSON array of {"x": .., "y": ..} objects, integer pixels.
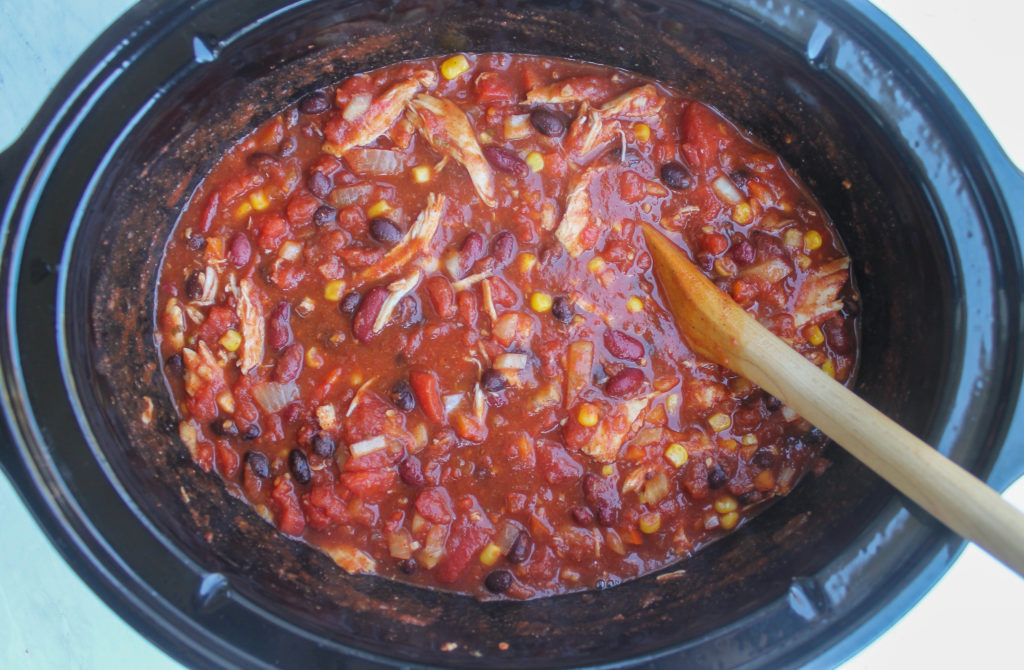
[{"x": 919, "y": 189}]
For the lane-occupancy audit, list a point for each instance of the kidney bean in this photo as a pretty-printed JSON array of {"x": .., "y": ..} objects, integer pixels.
[
  {"x": 764, "y": 458},
  {"x": 350, "y": 302},
  {"x": 287, "y": 147},
  {"x": 836, "y": 336},
  {"x": 262, "y": 162},
  {"x": 623, "y": 346},
  {"x": 521, "y": 548},
  {"x": 676, "y": 176},
  {"x": 717, "y": 477},
  {"x": 547, "y": 122},
  {"x": 289, "y": 364},
  {"x": 299, "y": 465},
  {"x": 503, "y": 247},
  {"x": 442, "y": 296},
  {"x": 505, "y": 160},
  {"x": 252, "y": 432},
  {"x": 315, "y": 103},
  {"x": 239, "y": 250},
  {"x": 625, "y": 382},
  {"x": 324, "y": 214},
  {"x": 175, "y": 365},
  {"x": 279, "y": 328},
  {"x": 582, "y": 515},
  {"x": 498, "y": 581},
  {"x": 562, "y": 309},
  {"x": 258, "y": 463},
  {"x": 603, "y": 497},
  {"x": 385, "y": 231},
  {"x": 742, "y": 252},
  {"x": 194, "y": 285},
  {"x": 402, "y": 396},
  {"x": 410, "y": 470},
  {"x": 493, "y": 381},
  {"x": 323, "y": 445},
  {"x": 471, "y": 249},
  {"x": 366, "y": 314},
  {"x": 319, "y": 184}
]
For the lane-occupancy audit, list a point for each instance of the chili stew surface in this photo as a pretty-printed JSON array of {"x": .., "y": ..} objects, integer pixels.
[{"x": 412, "y": 321}]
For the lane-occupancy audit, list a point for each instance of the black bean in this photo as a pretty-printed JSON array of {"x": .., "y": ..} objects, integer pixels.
[
  {"x": 408, "y": 566},
  {"x": 258, "y": 463},
  {"x": 315, "y": 103},
  {"x": 717, "y": 477},
  {"x": 224, "y": 428},
  {"x": 323, "y": 445},
  {"x": 299, "y": 465},
  {"x": 764, "y": 457},
  {"x": 772, "y": 403},
  {"x": 324, "y": 214},
  {"x": 498, "y": 581},
  {"x": 252, "y": 432},
  {"x": 385, "y": 231},
  {"x": 195, "y": 242},
  {"x": 547, "y": 122},
  {"x": 521, "y": 548},
  {"x": 750, "y": 497},
  {"x": 493, "y": 381},
  {"x": 676, "y": 176},
  {"x": 287, "y": 147},
  {"x": 562, "y": 309},
  {"x": 402, "y": 396},
  {"x": 194, "y": 285},
  {"x": 349, "y": 302},
  {"x": 175, "y": 365},
  {"x": 262, "y": 162},
  {"x": 814, "y": 437},
  {"x": 319, "y": 184}
]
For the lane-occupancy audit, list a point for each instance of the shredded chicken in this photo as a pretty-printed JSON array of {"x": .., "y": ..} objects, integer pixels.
[
  {"x": 571, "y": 90},
  {"x": 579, "y": 213},
  {"x": 818, "y": 297},
  {"x": 638, "y": 103},
  {"x": 352, "y": 560},
  {"x": 250, "y": 313},
  {"x": 353, "y": 129},
  {"x": 201, "y": 369},
  {"x": 397, "y": 290},
  {"x": 174, "y": 323},
  {"x": 616, "y": 427},
  {"x": 596, "y": 128},
  {"x": 447, "y": 129},
  {"x": 769, "y": 271},
  {"x": 417, "y": 239}
]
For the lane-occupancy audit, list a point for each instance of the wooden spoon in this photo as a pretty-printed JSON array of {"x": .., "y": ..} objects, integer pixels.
[{"x": 720, "y": 330}]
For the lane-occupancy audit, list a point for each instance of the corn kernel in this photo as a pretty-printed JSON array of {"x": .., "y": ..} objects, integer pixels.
[
  {"x": 454, "y": 66},
  {"x": 749, "y": 439},
  {"x": 829, "y": 368},
  {"x": 596, "y": 264},
  {"x": 742, "y": 213},
  {"x": 812, "y": 240},
  {"x": 729, "y": 520},
  {"x": 421, "y": 174},
  {"x": 814, "y": 336},
  {"x": 259, "y": 201},
  {"x": 642, "y": 132},
  {"x": 334, "y": 290},
  {"x": 231, "y": 340},
  {"x": 635, "y": 305},
  {"x": 540, "y": 302},
  {"x": 608, "y": 470},
  {"x": 526, "y": 262},
  {"x": 379, "y": 208},
  {"x": 587, "y": 415},
  {"x": 313, "y": 358},
  {"x": 677, "y": 454},
  {"x": 356, "y": 379},
  {"x": 726, "y": 504},
  {"x": 535, "y": 161},
  {"x": 650, "y": 522},
  {"x": 764, "y": 481},
  {"x": 719, "y": 422},
  {"x": 226, "y": 402},
  {"x": 490, "y": 554},
  {"x": 243, "y": 209},
  {"x": 730, "y": 444}
]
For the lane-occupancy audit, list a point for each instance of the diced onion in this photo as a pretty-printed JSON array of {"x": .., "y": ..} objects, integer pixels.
[
  {"x": 506, "y": 535},
  {"x": 350, "y": 195},
  {"x": 274, "y": 396},
  {"x": 452, "y": 401},
  {"x": 510, "y": 362},
  {"x": 726, "y": 190},
  {"x": 374, "y": 161},
  {"x": 368, "y": 446},
  {"x": 357, "y": 106},
  {"x": 290, "y": 250}
]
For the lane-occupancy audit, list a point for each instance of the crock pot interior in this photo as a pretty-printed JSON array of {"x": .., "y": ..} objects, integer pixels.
[{"x": 866, "y": 182}]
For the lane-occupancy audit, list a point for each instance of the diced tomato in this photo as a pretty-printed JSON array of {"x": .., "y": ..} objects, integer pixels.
[
  {"x": 492, "y": 87},
  {"x": 469, "y": 533},
  {"x": 324, "y": 508},
  {"x": 227, "y": 459},
  {"x": 632, "y": 187},
  {"x": 209, "y": 212},
  {"x": 285, "y": 504},
  {"x": 218, "y": 320},
  {"x": 442, "y": 296},
  {"x": 556, "y": 463},
  {"x": 435, "y": 505},
  {"x": 300, "y": 209},
  {"x": 367, "y": 418},
  {"x": 369, "y": 485},
  {"x": 203, "y": 405},
  {"x": 705, "y": 135},
  {"x": 501, "y": 293},
  {"x": 428, "y": 394},
  {"x": 273, "y": 229}
]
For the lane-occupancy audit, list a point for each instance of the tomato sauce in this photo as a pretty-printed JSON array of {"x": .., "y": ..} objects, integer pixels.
[{"x": 412, "y": 321}]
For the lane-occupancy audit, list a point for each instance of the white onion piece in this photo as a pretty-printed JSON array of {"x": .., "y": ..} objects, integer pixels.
[
  {"x": 357, "y": 106},
  {"x": 510, "y": 362},
  {"x": 350, "y": 195},
  {"x": 275, "y": 396},
  {"x": 452, "y": 400},
  {"x": 368, "y": 446},
  {"x": 374, "y": 161},
  {"x": 726, "y": 190}
]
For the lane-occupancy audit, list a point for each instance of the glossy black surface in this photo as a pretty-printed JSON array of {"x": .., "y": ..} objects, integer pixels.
[{"x": 840, "y": 92}]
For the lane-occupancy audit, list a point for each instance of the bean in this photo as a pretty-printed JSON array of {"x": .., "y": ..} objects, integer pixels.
[
  {"x": 506, "y": 160},
  {"x": 239, "y": 250},
  {"x": 287, "y": 147},
  {"x": 323, "y": 445},
  {"x": 582, "y": 515},
  {"x": 602, "y": 495},
  {"x": 262, "y": 162},
  {"x": 498, "y": 581},
  {"x": 410, "y": 470},
  {"x": 194, "y": 285},
  {"x": 521, "y": 548},
  {"x": 252, "y": 432},
  {"x": 503, "y": 247},
  {"x": 408, "y": 566},
  {"x": 175, "y": 365},
  {"x": 763, "y": 458},
  {"x": 625, "y": 382},
  {"x": 717, "y": 477},
  {"x": 742, "y": 252},
  {"x": 471, "y": 249},
  {"x": 772, "y": 403},
  {"x": 279, "y": 328},
  {"x": 385, "y": 231},
  {"x": 324, "y": 214},
  {"x": 493, "y": 381},
  {"x": 349, "y": 303},
  {"x": 299, "y": 465},
  {"x": 562, "y": 309},
  {"x": 195, "y": 242},
  {"x": 224, "y": 428},
  {"x": 676, "y": 176},
  {"x": 289, "y": 364},
  {"x": 442, "y": 296},
  {"x": 366, "y": 314},
  {"x": 547, "y": 122},
  {"x": 319, "y": 184},
  {"x": 315, "y": 103},
  {"x": 402, "y": 396},
  {"x": 623, "y": 346},
  {"x": 258, "y": 463}
]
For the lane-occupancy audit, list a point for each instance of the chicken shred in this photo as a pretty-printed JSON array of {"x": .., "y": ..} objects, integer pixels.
[
  {"x": 616, "y": 427},
  {"x": 250, "y": 314},
  {"x": 579, "y": 213},
  {"x": 819, "y": 295},
  {"x": 415, "y": 241},
  {"x": 379, "y": 116}
]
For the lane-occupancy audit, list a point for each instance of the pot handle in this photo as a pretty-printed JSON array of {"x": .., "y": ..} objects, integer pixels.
[{"x": 1009, "y": 466}]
